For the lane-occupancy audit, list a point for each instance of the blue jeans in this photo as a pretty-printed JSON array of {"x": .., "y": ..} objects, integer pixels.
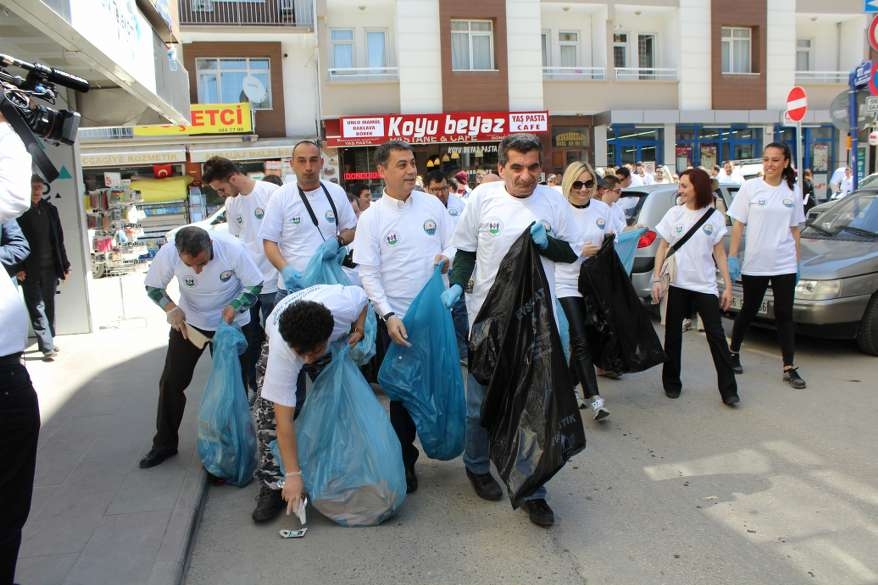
[
  {"x": 476, "y": 455},
  {"x": 461, "y": 327}
]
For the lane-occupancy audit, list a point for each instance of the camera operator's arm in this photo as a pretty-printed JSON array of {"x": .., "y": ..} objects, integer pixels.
[{"x": 15, "y": 170}]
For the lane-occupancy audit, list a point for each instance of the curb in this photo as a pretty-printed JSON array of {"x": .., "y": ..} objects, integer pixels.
[{"x": 173, "y": 557}]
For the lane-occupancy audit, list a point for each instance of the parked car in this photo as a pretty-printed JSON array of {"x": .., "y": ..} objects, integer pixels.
[
  {"x": 645, "y": 207},
  {"x": 216, "y": 221},
  {"x": 837, "y": 294}
]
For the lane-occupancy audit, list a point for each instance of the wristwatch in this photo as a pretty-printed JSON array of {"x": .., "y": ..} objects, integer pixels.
[{"x": 387, "y": 316}]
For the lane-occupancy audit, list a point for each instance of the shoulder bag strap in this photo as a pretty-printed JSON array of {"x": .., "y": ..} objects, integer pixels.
[
  {"x": 311, "y": 210},
  {"x": 691, "y": 231}
]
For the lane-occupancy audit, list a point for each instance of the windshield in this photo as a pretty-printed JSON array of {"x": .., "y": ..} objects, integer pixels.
[
  {"x": 854, "y": 216},
  {"x": 631, "y": 202}
]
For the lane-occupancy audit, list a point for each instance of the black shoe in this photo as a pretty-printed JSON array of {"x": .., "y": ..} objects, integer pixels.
[
  {"x": 485, "y": 485},
  {"x": 732, "y": 400},
  {"x": 670, "y": 393},
  {"x": 411, "y": 481},
  {"x": 539, "y": 513},
  {"x": 155, "y": 457},
  {"x": 793, "y": 378},
  {"x": 269, "y": 505},
  {"x": 736, "y": 362}
]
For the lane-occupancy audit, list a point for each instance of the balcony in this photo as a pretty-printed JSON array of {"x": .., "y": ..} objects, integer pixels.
[
  {"x": 828, "y": 77},
  {"x": 246, "y": 13},
  {"x": 364, "y": 73},
  {"x": 575, "y": 73},
  {"x": 646, "y": 73}
]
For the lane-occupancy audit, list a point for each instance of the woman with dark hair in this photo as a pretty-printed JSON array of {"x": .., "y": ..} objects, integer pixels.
[
  {"x": 769, "y": 209},
  {"x": 692, "y": 235}
]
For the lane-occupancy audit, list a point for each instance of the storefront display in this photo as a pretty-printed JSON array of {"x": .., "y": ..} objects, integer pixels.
[{"x": 113, "y": 217}]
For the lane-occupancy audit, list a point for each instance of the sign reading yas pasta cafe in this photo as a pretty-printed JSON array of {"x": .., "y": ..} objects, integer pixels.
[{"x": 430, "y": 128}]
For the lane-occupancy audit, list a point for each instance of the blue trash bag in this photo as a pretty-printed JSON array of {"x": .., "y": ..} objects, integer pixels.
[
  {"x": 563, "y": 328},
  {"x": 426, "y": 377},
  {"x": 329, "y": 271},
  {"x": 350, "y": 457},
  {"x": 226, "y": 437},
  {"x": 626, "y": 246}
]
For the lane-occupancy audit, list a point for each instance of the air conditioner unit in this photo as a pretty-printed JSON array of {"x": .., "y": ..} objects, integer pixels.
[{"x": 202, "y": 5}]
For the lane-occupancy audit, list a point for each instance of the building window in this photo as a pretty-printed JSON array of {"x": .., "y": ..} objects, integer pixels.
[
  {"x": 544, "y": 41},
  {"x": 646, "y": 51},
  {"x": 472, "y": 45},
  {"x": 569, "y": 42},
  {"x": 342, "y": 40},
  {"x": 376, "y": 49},
  {"x": 737, "y": 43},
  {"x": 620, "y": 49},
  {"x": 803, "y": 55},
  {"x": 234, "y": 80}
]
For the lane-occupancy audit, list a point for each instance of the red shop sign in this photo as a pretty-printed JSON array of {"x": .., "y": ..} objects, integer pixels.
[
  {"x": 432, "y": 128},
  {"x": 361, "y": 176}
]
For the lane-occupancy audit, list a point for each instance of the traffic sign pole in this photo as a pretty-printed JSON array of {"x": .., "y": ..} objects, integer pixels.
[
  {"x": 852, "y": 114},
  {"x": 800, "y": 145}
]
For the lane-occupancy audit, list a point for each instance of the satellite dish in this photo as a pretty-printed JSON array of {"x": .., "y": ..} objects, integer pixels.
[{"x": 254, "y": 89}]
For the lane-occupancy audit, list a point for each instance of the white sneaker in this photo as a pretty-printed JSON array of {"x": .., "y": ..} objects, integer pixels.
[{"x": 597, "y": 407}]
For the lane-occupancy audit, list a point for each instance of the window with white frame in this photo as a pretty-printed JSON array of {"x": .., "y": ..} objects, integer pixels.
[
  {"x": 547, "y": 47},
  {"x": 472, "y": 45},
  {"x": 803, "y": 55},
  {"x": 737, "y": 44},
  {"x": 646, "y": 50},
  {"x": 231, "y": 80},
  {"x": 569, "y": 48},
  {"x": 342, "y": 42},
  {"x": 620, "y": 49},
  {"x": 376, "y": 49}
]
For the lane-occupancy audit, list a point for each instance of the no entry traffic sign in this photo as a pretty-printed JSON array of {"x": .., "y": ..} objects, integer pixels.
[{"x": 797, "y": 104}]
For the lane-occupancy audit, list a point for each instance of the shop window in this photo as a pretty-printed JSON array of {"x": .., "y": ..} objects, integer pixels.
[
  {"x": 472, "y": 45},
  {"x": 234, "y": 80},
  {"x": 737, "y": 43},
  {"x": 342, "y": 40},
  {"x": 803, "y": 55},
  {"x": 629, "y": 144},
  {"x": 620, "y": 50},
  {"x": 569, "y": 43}
]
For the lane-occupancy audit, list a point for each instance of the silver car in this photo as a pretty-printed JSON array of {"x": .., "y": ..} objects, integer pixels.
[{"x": 837, "y": 296}]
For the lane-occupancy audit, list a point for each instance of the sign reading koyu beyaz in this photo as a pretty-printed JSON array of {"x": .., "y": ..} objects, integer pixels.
[
  {"x": 206, "y": 119},
  {"x": 431, "y": 128}
]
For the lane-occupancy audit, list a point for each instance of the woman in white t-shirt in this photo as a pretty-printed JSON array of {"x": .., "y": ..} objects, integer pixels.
[
  {"x": 694, "y": 284},
  {"x": 591, "y": 219},
  {"x": 769, "y": 210}
]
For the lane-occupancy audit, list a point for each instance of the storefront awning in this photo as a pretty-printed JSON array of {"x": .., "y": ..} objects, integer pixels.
[
  {"x": 261, "y": 150},
  {"x": 162, "y": 190},
  {"x": 122, "y": 156}
]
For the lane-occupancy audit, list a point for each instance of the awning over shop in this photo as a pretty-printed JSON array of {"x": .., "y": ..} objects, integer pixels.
[
  {"x": 162, "y": 190},
  {"x": 263, "y": 149},
  {"x": 120, "y": 156}
]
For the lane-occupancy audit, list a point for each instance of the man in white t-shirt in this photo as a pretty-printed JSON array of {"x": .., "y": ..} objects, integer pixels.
[
  {"x": 730, "y": 175},
  {"x": 246, "y": 201},
  {"x": 436, "y": 184},
  {"x": 494, "y": 218},
  {"x": 219, "y": 282},
  {"x": 400, "y": 239},
  {"x": 627, "y": 178},
  {"x": 298, "y": 332}
]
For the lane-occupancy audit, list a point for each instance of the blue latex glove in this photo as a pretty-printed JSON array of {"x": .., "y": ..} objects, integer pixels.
[
  {"x": 292, "y": 278},
  {"x": 330, "y": 247},
  {"x": 451, "y": 296},
  {"x": 734, "y": 268},
  {"x": 539, "y": 236}
]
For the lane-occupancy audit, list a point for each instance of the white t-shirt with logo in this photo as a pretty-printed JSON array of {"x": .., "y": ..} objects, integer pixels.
[
  {"x": 455, "y": 209},
  {"x": 592, "y": 222},
  {"x": 283, "y": 365},
  {"x": 696, "y": 269},
  {"x": 204, "y": 296},
  {"x": 244, "y": 214},
  {"x": 618, "y": 220},
  {"x": 395, "y": 247},
  {"x": 288, "y": 223},
  {"x": 494, "y": 219},
  {"x": 769, "y": 213}
]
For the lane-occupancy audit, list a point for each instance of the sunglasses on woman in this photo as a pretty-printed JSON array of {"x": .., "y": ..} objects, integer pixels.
[{"x": 579, "y": 184}]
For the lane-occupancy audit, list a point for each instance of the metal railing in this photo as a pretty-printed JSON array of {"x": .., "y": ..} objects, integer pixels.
[
  {"x": 821, "y": 77},
  {"x": 105, "y": 133},
  {"x": 594, "y": 73},
  {"x": 646, "y": 73},
  {"x": 247, "y": 13},
  {"x": 363, "y": 73}
]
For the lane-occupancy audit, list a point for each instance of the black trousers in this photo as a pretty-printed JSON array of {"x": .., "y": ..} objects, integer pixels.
[
  {"x": 581, "y": 362},
  {"x": 19, "y": 430},
  {"x": 680, "y": 303},
  {"x": 399, "y": 417},
  {"x": 180, "y": 362},
  {"x": 784, "y": 288},
  {"x": 39, "y": 290}
]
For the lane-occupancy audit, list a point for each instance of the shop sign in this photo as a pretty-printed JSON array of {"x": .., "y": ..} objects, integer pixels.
[
  {"x": 133, "y": 158},
  {"x": 570, "y": 139},
  {"x": 477, "y": 150},
  {"x": 433, "y": 128},
  {"x": 371, "y": 175},
  {"x": 206, "y": 119}
]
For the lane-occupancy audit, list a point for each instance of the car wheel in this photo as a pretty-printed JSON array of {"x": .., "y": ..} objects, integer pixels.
[{"x": 867, "y": 337}]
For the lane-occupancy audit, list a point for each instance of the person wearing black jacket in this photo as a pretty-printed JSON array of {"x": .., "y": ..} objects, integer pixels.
[
  {"x": 13, "y": 248},
  {"x": 45, "y": 265}
]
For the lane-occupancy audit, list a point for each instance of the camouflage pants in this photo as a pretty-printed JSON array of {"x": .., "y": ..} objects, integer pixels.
[{"x": 267, "y": 470}]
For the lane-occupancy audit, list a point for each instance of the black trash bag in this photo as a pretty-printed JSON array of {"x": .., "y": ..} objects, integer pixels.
[
  {"x": 619, "y": 330},
  {"x": 530, "y": 410}
]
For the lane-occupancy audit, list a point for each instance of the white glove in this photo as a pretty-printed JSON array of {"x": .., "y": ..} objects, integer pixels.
[{"x": 177, "y": 319}]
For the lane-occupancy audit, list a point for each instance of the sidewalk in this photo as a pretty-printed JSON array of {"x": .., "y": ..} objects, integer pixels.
[{"x": 96, "y": 517}]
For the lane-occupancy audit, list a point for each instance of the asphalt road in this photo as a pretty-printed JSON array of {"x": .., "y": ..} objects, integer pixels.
[{"x": 783, "y": 490}]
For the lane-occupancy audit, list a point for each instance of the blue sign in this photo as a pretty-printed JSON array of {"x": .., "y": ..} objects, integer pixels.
[
  {"x": 870, "y": 6},
  {"x": 863, "y": 73}
]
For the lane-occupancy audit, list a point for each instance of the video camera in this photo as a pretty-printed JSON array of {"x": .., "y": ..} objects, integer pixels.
[{"x": 30, "y": 119}]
